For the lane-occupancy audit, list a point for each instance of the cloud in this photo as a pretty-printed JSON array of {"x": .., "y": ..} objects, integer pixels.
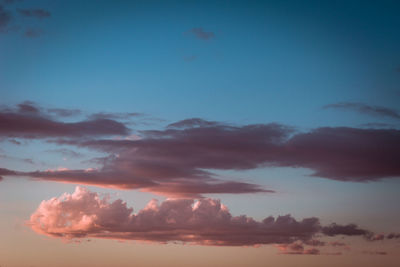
[
  {"x": 193, "y": 122},
  {"x": 33, "y": 33},
  {"x": 28, "y": 107},
  {"x": 84, "y": 214},
  {"x": 28, "y": 122},
  {"x": 199, "y": 33},
  {"x": 349, "y": 230},
  {"x": 163, "y": 185},
  {"x": 393, "y": 236},
  {"x": 344, "y": 153},
  {"x": 36, "y": 13},
  {"x": 115, "y": 115},
  {"x": 180, "y": 159},
  {"x": 383, "y": 253},
  {"x": 190, "y": 58},
  {"x": 188, "y": 147},
  {"x": 5, "y": 172},
  {"x": 366, "y": 109},
  {"x": 61, "y": 112},
  {"x": 65, "y": 152},
  {"x": 297, "y": 248},
  {"x": 5, "y": 18}
]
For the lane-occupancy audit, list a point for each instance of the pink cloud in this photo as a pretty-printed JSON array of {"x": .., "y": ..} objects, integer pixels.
[{"x": 84, "y": 214}]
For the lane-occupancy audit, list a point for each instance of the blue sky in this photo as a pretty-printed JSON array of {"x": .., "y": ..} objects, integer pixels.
[
  {"x": 270, "y": 56},
  {"x": 304, "y": 64}
]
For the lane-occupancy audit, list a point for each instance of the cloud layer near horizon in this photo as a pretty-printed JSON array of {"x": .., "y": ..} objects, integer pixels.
[{"x": 84, "y": 214}]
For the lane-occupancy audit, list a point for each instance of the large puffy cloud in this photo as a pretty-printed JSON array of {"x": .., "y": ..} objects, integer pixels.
[
  {"x": 85, "y": 214},
  {"x": 206, "y": 221},
  {"x": 28, "y": 121}
]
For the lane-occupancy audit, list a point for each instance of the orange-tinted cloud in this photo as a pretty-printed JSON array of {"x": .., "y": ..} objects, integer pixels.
[
  {"x": 85, "y": 214},
  {"x": 205, "y": 222}
]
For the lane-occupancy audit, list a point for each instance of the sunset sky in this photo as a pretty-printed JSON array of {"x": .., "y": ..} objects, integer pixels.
[{"x": 199, "y": 133}]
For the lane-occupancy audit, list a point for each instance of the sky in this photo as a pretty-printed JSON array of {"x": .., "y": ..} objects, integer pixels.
[{"x": 199, "y": 133}]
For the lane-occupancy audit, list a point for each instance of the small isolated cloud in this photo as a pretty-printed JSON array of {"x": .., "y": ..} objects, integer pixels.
[
  {"x": 199, "y": 33},
  {"x": 393, "y": 236},
  {"x": 5, "y": 18},
  {"x": 190, "y": 58},
  {"x": 62, "y": 112},
  {"x": 376, "y": 111},
  {"x": 297, "y": 248},
  {"x": 36, "y": 13},
  {"x": 33, "y": 33},
  {"x": 66, "y": 152},
  {"x": 115, "y": 115},
  {"x": 370, "y": 252}
]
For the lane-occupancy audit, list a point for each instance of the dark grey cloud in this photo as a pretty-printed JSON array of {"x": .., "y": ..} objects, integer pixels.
[
  {"x": 34, "y": 12},
  {"x": 33, "y": 33},
  {"x": 61, "y": 112},
  {"x": 199, "y": 33},
  {"x": 377, "y": 111},
  {"x": 5, "y": 18},
  {"x": 115, "y": 115},
  {"x": 27, "y": 121}
]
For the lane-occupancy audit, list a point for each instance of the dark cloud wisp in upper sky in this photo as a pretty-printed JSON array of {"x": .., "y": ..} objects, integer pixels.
[
  {"x": 32, "y": 12},
  {"x": 5, "y": 18},
  {"x": 29, "y": 122},
  {"x": 366, "y": 109},
  {"x": 199, "y": 33}
]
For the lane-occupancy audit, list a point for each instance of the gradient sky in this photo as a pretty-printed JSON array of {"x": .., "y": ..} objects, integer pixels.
[{"x": 262, "y": 108}]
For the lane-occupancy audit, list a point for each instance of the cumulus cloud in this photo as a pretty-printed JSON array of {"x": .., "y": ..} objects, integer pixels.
[
  {"x": 85, "y": 214},
  {"x": 366, "y": 109}
]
